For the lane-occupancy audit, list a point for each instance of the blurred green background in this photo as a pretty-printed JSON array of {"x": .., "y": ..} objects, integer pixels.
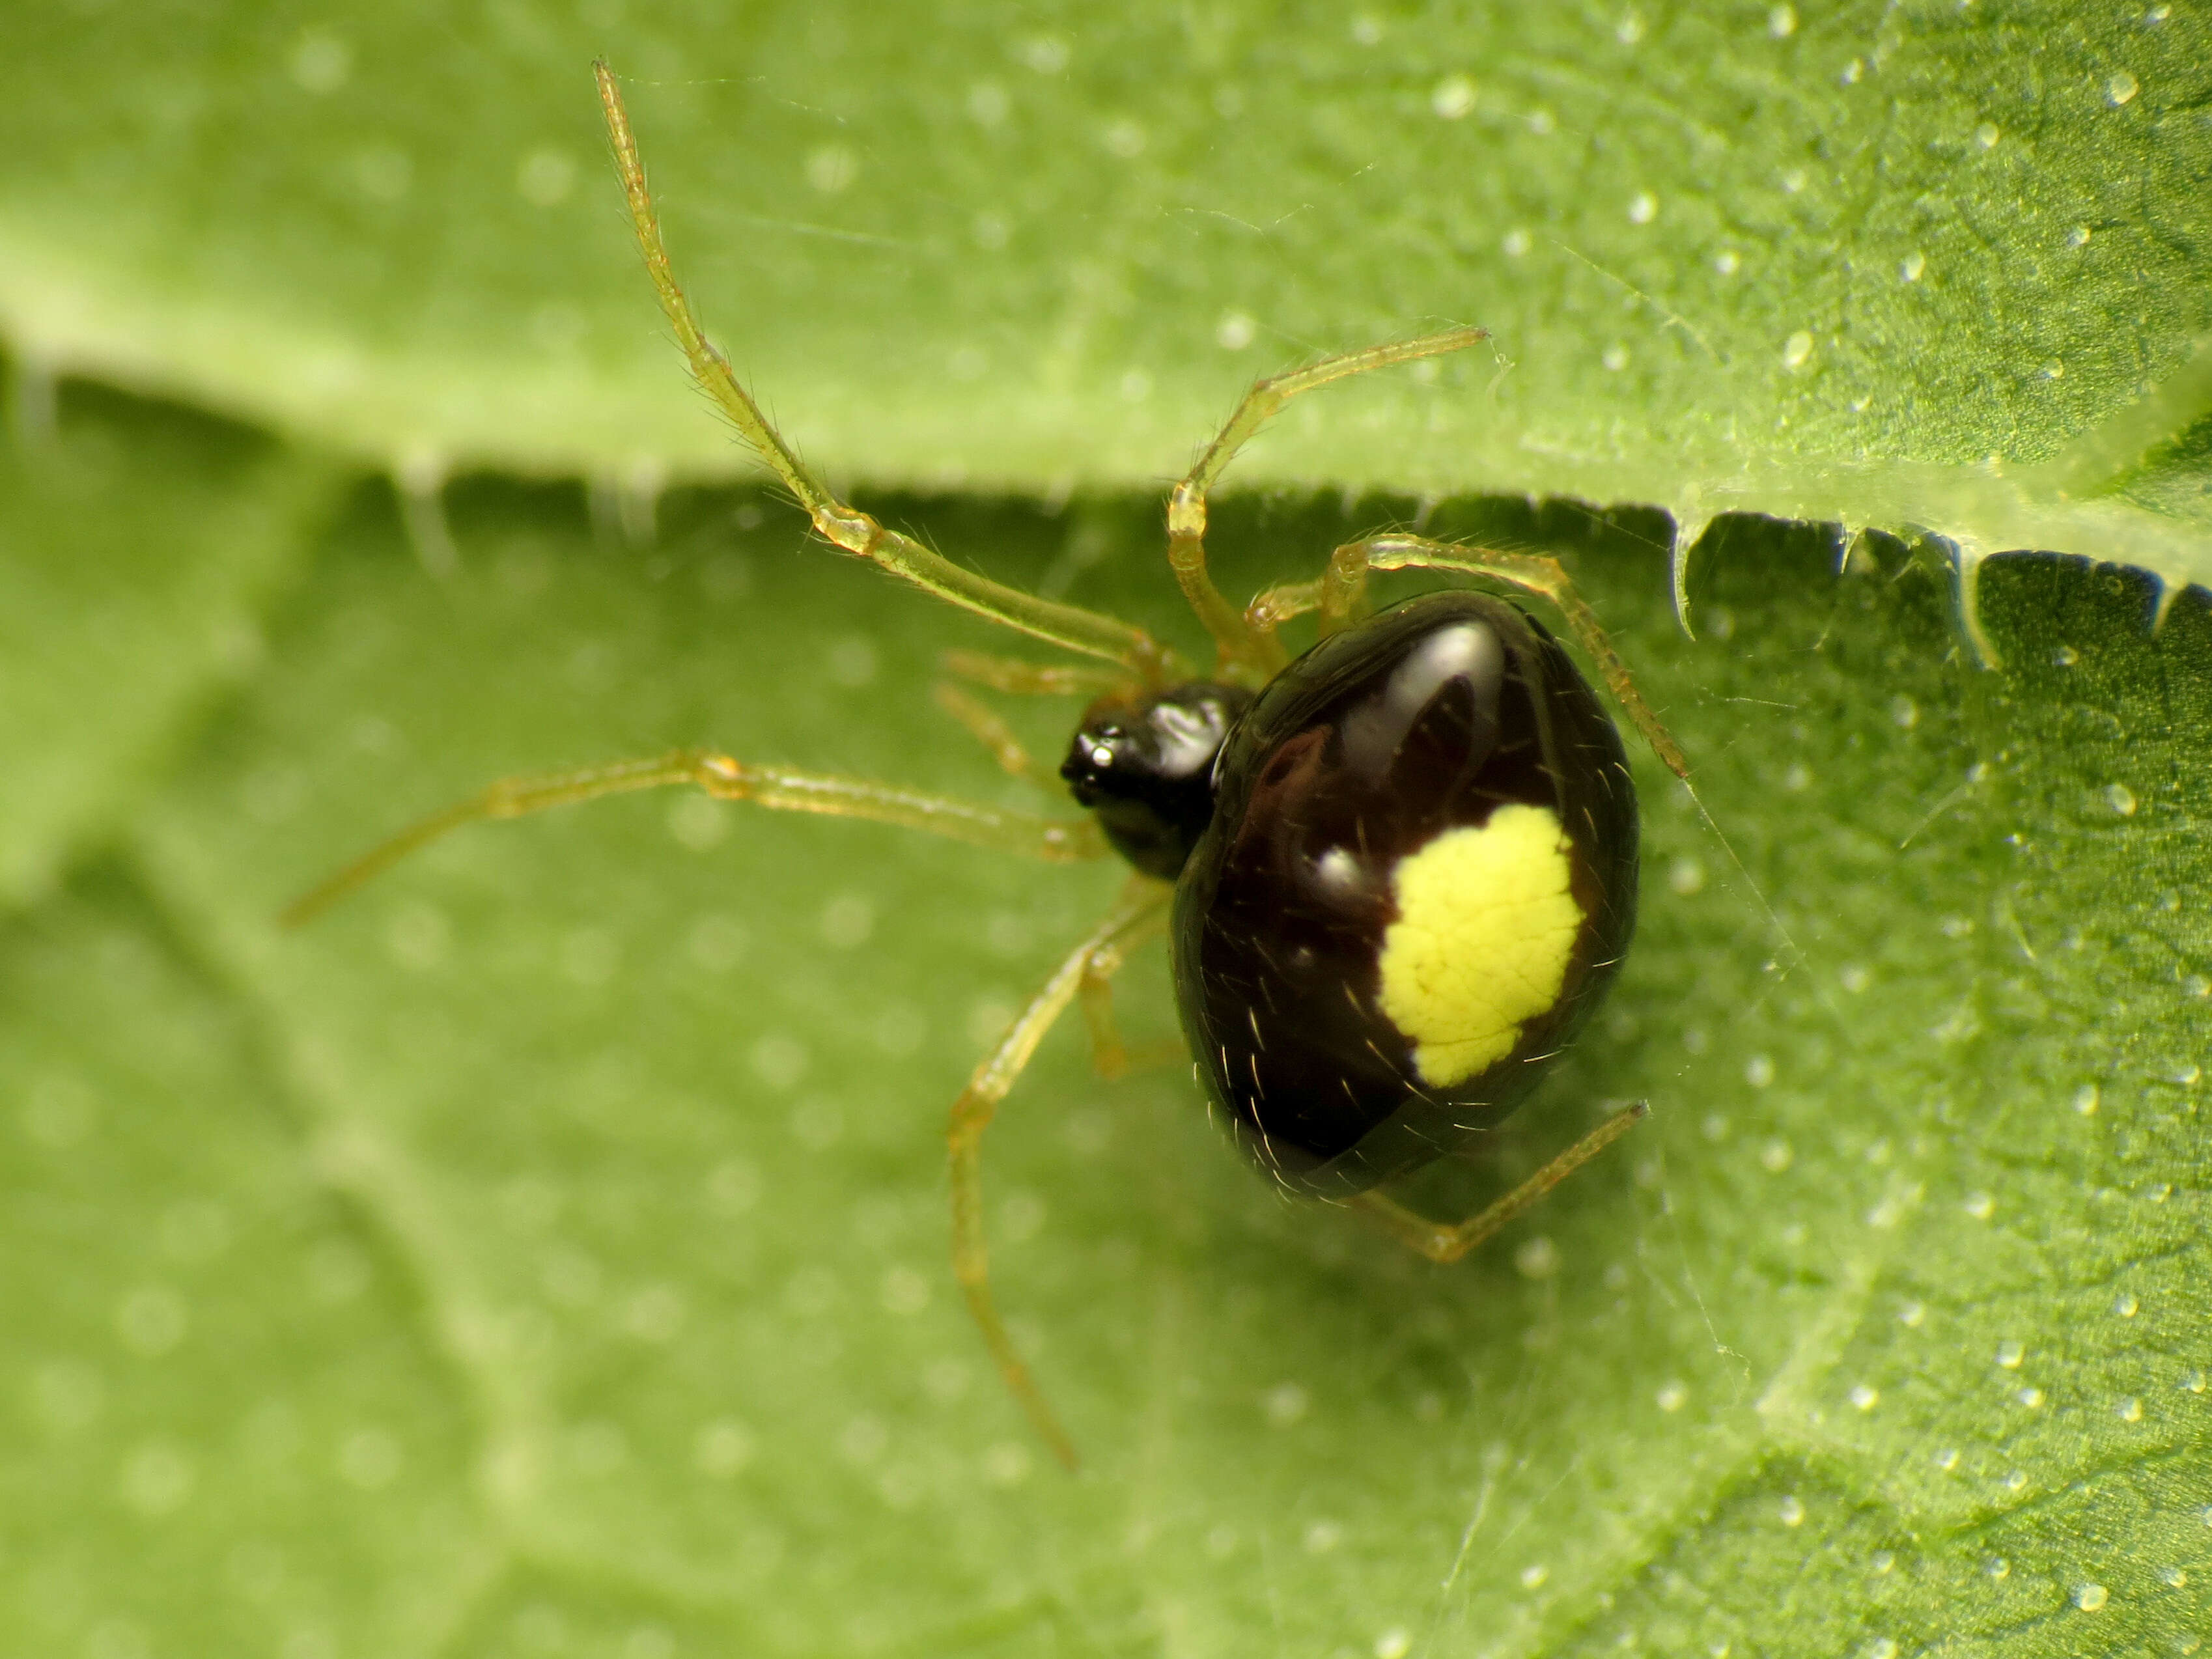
[{"x": 544, "y": 1253}]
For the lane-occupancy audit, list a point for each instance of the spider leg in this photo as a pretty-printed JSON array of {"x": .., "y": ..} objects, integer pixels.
[
  {"x": 845, "y": 525},
  {"x": 1058, "y": 840},
  {"x": 984, "y": 724},
  {"x": 1259, "y": 655},
  {"x": 1037, "y": 679},
  {"x": 1276, "y": 604},
  {"x": 979, "y": 1104},
  {"x": 1342, "y": 598},
  {"x": 1109, "y": 1057},
  {"x": 1444, "y": 1245},
  {"x": 1340, "y": 593}
]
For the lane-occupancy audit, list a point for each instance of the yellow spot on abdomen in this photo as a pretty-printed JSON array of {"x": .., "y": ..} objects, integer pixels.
[{"x": 1486, "y": 930}]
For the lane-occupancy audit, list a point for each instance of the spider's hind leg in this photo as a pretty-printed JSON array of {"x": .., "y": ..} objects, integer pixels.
[{"x": 1444, "y": 1244}]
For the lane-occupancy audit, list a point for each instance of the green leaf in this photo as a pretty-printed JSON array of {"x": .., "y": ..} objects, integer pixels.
[
  {"x": 139, "y": 548},
  {"x": 1881, "y": 1331},
  {"x": 545, "y": 1252},
  {"x": 225, "y": 1431},
  {"x": 1876, "y": 265}
]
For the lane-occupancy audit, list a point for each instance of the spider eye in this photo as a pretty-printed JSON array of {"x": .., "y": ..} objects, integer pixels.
[{"x": 1146, "y": 769}]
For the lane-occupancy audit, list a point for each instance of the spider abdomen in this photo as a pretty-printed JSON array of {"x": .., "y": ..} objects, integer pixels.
[{"x": 1418, "y": 880}]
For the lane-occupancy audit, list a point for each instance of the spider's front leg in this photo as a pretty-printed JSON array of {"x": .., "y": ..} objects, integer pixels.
[
  {"x": 837, "y": 521},
  {"x": 1253, "y": 654}
]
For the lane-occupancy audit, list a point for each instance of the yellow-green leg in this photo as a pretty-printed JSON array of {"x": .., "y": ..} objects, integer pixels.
[
  {"x": 987, "y": 727},
  {"x": 1250, "y": 653},
  {"x": 845, "y": 525},
  {"x": 1444, "y": 1244},
  {"x": 1111, "y": 1056},
  {"x": 779, "y": 787},
  {"x": 1340, "y": 596},
  {"x": 1098, "y": 954},
  {"x": 1036, "y": 679}
]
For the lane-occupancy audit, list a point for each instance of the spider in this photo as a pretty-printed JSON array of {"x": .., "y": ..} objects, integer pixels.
[{"x": 1396, "y": 873}]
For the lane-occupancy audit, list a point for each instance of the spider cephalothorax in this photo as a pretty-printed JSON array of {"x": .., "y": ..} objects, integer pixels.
[{"x": 1145, "y": 768}]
